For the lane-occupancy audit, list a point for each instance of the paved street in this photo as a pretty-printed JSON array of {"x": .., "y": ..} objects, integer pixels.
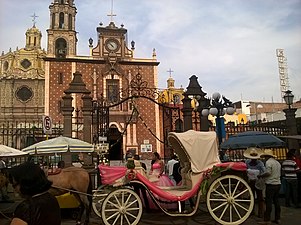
[{"x": 290, "y": 216}]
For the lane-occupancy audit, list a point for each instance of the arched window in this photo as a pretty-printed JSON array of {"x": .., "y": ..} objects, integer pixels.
[
  {"x": 70, "y": 22},
  {"x": 61, "y": 48},
  {"x": 5, "y": 65},
  {"x": 62, "y": 1},
  {"x": 61, "y": 21},
  {"x": 112, "y": 90},
  {"x": 53, "y": 21}
]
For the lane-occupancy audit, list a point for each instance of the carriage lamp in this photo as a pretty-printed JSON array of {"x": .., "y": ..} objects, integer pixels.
[{"x": 218, "y": 107}]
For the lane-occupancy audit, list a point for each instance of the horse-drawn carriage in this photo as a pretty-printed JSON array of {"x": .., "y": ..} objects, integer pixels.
[{"x": 228, "y": 196}]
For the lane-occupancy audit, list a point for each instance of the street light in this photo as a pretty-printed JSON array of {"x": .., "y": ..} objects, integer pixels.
[
  {"x": 194, "y": 90},
  {"x": 218, "y": 107},
  {"x": 288, "y": 98},
  {"x": 291, "y": 123}
]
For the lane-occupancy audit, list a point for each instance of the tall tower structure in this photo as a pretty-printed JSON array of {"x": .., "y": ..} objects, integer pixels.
[
  {"x": 61, "y": 33},
  {"x": 283, "y": 74}
]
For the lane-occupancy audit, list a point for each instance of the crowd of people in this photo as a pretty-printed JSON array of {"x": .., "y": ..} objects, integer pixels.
[{"x": 268, "y": 178}]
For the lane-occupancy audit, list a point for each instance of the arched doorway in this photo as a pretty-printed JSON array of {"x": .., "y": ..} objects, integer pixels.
[{"x": 115, "y": 141}]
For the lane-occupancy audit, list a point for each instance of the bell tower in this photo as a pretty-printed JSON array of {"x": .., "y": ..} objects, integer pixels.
[
  {"x": 33, "y": 36},
  {"x": 62, "y": 38}
]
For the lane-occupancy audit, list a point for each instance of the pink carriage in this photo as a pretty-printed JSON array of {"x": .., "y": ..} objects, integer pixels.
[{"x": 228, "y": 197}]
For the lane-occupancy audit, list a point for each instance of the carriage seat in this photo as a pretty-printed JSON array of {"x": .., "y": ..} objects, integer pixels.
[
  {"x": 176, "y": 193},
  {"x": 187, "y": 177},
  {"x": 189, "y": 185}
]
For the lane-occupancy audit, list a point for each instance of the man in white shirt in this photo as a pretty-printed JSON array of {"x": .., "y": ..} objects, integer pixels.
[
  {"x": 170, "y": 165},
  {"x": 273, "y": 184}
]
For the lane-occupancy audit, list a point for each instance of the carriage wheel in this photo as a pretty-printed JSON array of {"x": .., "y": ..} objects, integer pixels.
[
  {"x": 122, "y": 206},
  {"x": 98, "y": 196},
  {"x": 230, "y": 200}
]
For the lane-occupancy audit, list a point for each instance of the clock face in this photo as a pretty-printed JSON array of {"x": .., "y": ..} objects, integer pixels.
[{"x": 112, "y": 45}]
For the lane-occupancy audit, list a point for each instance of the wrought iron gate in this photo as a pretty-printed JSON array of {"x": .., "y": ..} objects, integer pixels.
[{"x": 103, "y": 109}]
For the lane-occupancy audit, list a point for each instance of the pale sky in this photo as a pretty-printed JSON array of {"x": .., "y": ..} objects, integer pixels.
[{"x": 230, "y": 45}]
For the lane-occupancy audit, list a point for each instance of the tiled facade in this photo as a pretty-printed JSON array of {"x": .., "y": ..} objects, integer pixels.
[{"x": 110, "y": 61}]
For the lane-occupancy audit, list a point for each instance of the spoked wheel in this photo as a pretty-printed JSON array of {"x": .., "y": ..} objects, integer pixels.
[
  {"x": 98, "y": 196},
  {"x": 121, "y": 207},
  {"x": 230, "y": 200}
]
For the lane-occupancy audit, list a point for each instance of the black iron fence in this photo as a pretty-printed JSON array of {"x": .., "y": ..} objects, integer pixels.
[
  {"x": 237, "y": 155},
  {"x": 20, "y": 134}
]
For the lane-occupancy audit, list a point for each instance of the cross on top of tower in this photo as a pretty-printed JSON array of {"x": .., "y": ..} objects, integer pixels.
[
  {"x": 111, "y": 13},
  {"x": 170, "y": 71},
  {"x": 34, "y": 16}
]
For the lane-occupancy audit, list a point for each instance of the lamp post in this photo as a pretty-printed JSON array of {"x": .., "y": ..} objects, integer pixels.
[
  {"x": 194, "y": 90},
  {"x": 291, "y": 123},
  {"x": 218, "y": 107}
]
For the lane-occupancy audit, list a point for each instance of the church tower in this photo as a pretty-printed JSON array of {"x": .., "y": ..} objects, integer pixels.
[
  {"x": 61, "y": 33},
  {"x": 33, "y": 38}
]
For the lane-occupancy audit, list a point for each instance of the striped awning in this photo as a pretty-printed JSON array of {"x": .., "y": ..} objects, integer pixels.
[{"x": 59, "y": 145}]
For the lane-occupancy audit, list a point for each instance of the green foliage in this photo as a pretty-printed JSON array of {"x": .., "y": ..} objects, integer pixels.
[
  {"x": 130, "y": 164},
  {"x": 209, "y": 176}
]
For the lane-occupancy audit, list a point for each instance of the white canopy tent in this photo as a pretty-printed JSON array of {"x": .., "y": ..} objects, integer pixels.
[
  {"x": 59, "y": 145},
  {"x": 6, "y": 151}
]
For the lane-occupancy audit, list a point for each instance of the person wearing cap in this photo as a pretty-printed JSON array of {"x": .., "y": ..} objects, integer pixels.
[
  {"x": 255, "y": 167},
  {"x": 273, "y": 184}
]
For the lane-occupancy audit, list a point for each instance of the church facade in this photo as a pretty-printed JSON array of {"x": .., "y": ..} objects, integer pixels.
[
  {"x": 22, "y": 79},
  {"x": 126, "y": 105},
  {"x": 112, "y": 75}
]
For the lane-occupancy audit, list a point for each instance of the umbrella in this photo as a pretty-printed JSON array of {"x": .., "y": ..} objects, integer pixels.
[
  {"x": 59, "y": 145},
  {"x": 252, "y": 139},
  {"x": 6, "y": 151}
]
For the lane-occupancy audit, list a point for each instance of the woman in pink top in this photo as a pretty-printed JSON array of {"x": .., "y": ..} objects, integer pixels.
[{"x": 157, "y": 170}]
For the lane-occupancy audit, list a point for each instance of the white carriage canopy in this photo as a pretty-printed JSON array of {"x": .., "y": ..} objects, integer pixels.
[
  {"x": 197, "y": 147},
  {"x": 59, "y": 145}
]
